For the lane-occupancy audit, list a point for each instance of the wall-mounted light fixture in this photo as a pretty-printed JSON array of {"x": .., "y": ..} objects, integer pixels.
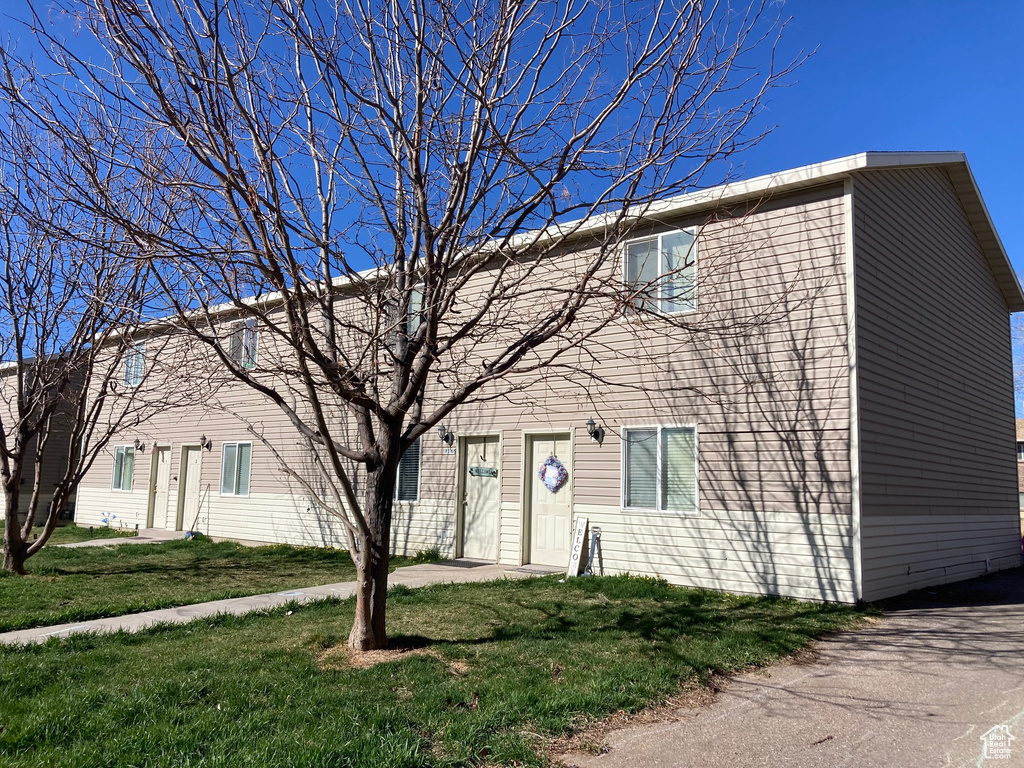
[
  {"x": 446, "y": 435},
  {"x": 204, "y": 443},
  {"x": 596, "y": 433},
  {"x": 140, "y": 446}
]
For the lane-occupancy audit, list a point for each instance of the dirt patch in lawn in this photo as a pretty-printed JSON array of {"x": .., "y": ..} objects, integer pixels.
[{"x": 341, "y": 656}]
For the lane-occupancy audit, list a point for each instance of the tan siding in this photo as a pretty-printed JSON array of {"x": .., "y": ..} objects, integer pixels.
[
  {"x": 770, "y": 403},
  {"x": 936, "y": 404}
]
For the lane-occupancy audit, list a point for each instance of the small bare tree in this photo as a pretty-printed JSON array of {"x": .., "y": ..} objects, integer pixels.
[
  {"x": 412, "y": 190},
  {"x": 68, "y": 294}
]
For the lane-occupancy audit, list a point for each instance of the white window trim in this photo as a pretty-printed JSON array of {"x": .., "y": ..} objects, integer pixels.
[
  {"x": 134, "y": 350},
  {"x": 122, "y": 489},
  {"x": 696, "y": 264},
  {"x": 695, "y": 512},
  {"x": 223, "y": 447},
  {"x": 419, "y": 477},
  {"x": 239, "y": 328}
]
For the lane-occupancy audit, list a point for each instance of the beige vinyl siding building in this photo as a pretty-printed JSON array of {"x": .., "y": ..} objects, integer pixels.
[
  {"x": 52, "y": 464},
  {"x": 844, "y": 433}
]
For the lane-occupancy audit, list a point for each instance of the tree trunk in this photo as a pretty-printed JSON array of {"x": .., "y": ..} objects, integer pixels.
[
  {"x": 14, "y": 559},
  {"x": 15, "y": 548},
  {"x": 372, "y": 563}
]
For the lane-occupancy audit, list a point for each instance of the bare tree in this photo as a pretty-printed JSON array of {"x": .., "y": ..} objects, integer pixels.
[
  {"x": 428, "y": 198},
  {"x": 68, "y": 296}
]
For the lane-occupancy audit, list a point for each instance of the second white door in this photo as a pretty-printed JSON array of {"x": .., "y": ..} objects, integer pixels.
[
  {"x": 550, "y": 513},
  {"x": 191, "y": 475}
]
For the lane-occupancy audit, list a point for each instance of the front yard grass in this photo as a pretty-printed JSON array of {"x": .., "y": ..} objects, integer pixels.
[
  {"x": 76, "y": 584},
  {"x": 71, "y": 533},
  {"x": 497, "y": 670}
]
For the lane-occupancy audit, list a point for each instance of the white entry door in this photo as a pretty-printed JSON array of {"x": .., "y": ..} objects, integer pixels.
[
  {"x": 550, "y": 514},
  {"x": 188, "y": 502},
  {"x": 159, "y": 490},
  {"x": 481, "y": 497}
]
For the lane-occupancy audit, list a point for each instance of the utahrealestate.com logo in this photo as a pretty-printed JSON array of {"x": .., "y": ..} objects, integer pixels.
[{"x": 997, "y": 743}]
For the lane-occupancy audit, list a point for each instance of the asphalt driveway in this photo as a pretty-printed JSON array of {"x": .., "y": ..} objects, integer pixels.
[{"x": 921, "y": 687}]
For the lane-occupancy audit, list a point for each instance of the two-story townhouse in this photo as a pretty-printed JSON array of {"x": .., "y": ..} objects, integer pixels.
[{"x": 843, "y": 431}]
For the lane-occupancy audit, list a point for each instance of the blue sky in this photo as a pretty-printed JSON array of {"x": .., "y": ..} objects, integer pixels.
[
  {"x": 909, "y": 76},
  {"x": 891, "y": 75}
]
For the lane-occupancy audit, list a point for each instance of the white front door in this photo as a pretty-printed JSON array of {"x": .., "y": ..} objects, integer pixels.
[
  {"x": 481, "y": 497},
  {"x": 159, "y": 489},
  {"x": 188, "y": 502},
  {"x": 550, "y": 514}
]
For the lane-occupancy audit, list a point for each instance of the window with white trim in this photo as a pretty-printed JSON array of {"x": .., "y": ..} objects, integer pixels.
[
  {"x": 408, "y": 486},
  {"x": 235, "y": 468},
  {"x": 413, "y": 315},
  {"x": 660, "y": 469},
  {"x": 662, "y": 272},
  {"x": 244, "y": 342},
  {"x": 124, "y": 468},
  {"x": 134, "y": 364}
]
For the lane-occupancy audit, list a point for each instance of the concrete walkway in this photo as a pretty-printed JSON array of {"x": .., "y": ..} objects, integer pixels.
[
  {"x": 447, "y": 572},
  {"x": 920, "y": 688},
  {"x": 146, "y": 536}
]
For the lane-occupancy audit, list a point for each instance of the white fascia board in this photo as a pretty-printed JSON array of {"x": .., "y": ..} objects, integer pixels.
[{"x": 772, "y": 183}]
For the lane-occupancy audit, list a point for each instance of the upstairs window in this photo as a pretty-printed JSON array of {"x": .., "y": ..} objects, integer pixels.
[
  {"x": 124, "y": 468},
  {"x": 408, "y": 486},
  {"x": 235, "y": 467},
  {"x": 414, "y": 317},
  {"x": 662, "y": 272},
  {"x": 134, "y": 365},
  {"x": 243, "y": 343},
  {"x": 660, "y": 469},
  {"x": 1020, "y": 451}
]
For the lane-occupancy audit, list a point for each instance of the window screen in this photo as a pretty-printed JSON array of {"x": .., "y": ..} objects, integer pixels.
[
  {"x": 243, "y": 343},
  {"x": 678, "y": 470},
  {"x": 642, "y": 468},
  {"x": 408, "y": 486},
  {"x": 134, "y": 365}
]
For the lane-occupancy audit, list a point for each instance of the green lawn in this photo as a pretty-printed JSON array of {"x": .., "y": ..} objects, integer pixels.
[
  {"x": 502, "y": 667},
  {"x": 92, "y": 582},
  {"x": 71, "y": 533}
]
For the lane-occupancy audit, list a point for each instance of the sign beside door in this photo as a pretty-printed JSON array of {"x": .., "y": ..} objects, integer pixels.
[{"x": 579, "y": 536}]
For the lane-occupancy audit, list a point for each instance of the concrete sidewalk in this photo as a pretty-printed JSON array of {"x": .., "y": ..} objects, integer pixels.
[
  {"x": 146, "y": 536},
  {"x": 447, "y": 572}
]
